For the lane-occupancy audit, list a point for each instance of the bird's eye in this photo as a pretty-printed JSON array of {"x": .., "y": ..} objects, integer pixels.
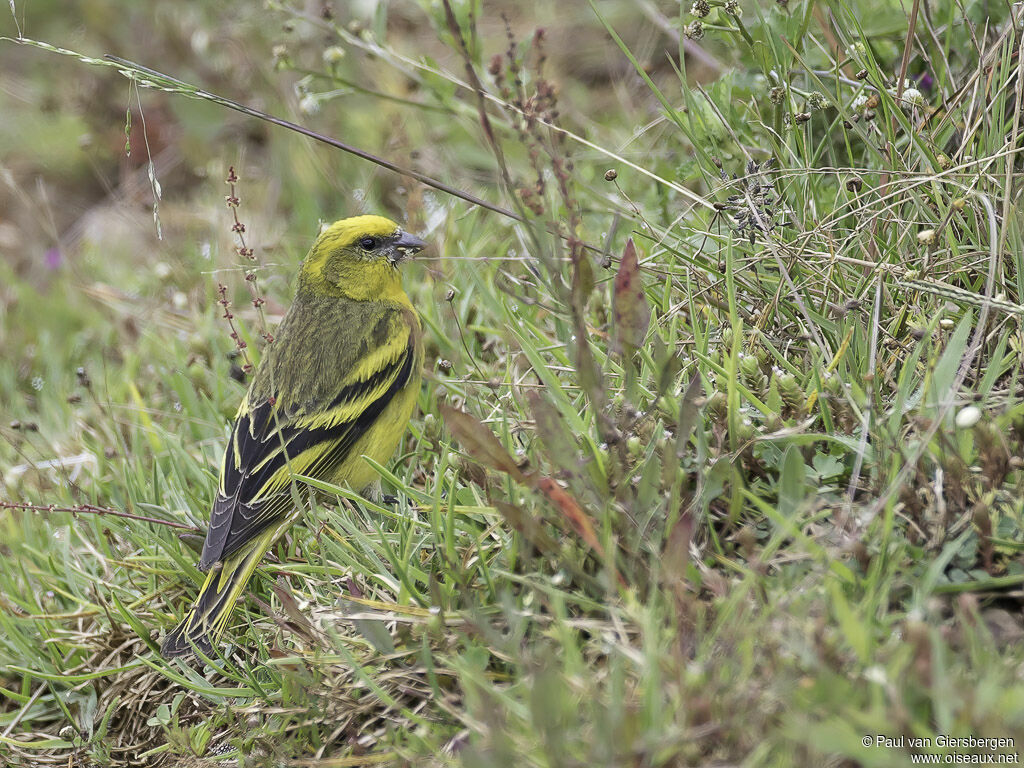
[{"x": 369, "y": 243}]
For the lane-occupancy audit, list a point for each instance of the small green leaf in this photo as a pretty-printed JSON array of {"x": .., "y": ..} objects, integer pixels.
[
  {"x": 792, "y": 481},
  {"x": 827, "y": 466},
  {"x": 374, "y": 630},
  {"x": 852, "y": 626}
]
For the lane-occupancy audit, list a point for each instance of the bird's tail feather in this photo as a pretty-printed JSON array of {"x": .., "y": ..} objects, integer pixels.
[{"x": 208, "y": 617}]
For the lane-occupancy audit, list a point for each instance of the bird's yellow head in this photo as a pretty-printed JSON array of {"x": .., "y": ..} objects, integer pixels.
[{"x": 358, "y": 258}]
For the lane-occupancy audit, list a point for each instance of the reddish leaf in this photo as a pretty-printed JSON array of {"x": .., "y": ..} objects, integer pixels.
[
  {"x": 484, "y": 446},
  {"x": 676, "y": 556},
  {"x": 480, "y": 443},
  {"x": 291, "y": 606},
  {"x": 571, "y": 511},
  {"x": 629, "y": 304}
]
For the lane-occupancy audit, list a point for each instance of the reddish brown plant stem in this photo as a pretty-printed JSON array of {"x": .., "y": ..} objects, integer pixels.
[{"x": 90, "y": 509}]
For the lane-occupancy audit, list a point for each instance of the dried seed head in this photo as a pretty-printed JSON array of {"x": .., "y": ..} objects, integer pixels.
[
  {"x": 694, "y": 30},
  {"x": 611, "y": 174}
]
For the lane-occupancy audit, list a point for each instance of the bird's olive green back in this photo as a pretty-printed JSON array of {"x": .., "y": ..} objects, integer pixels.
[{"x": 325, "y": 343}]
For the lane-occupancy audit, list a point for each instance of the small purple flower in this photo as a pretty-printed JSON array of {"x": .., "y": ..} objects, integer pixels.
[
  {"x": 925, "y": 82},
  {"x": 53, "y": 259}
]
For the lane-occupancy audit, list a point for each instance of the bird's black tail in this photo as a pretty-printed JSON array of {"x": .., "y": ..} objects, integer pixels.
[{"x": 207, "y": 619}]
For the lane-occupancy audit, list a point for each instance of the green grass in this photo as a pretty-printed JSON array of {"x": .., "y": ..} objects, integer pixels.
[{"x": 748, "y": 498}]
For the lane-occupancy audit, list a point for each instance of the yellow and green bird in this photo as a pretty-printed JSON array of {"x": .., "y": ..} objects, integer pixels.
[{"x": 338, "y": 384}]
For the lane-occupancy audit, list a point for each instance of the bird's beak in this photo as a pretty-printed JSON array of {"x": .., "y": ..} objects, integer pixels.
[{"x": 408, "y": 244}]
